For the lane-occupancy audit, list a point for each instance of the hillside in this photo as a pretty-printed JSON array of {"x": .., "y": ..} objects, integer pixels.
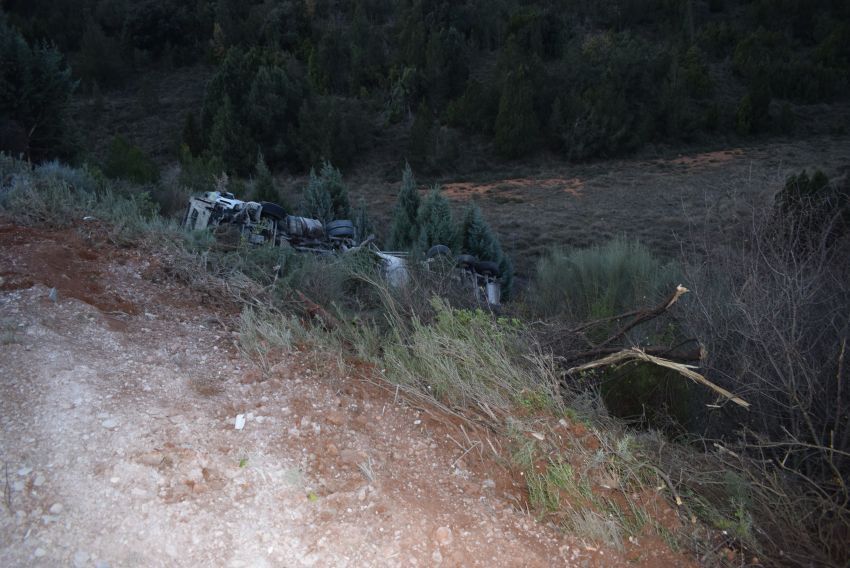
[
  {"x": 119, "y": 403},
  {"x": 505, "y": 282}
]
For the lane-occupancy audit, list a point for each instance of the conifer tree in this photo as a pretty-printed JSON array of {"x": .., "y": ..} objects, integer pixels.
[
  {"x": 229, "y": 139},
  {"x": 435, "y": 221},
  {"x": 516, "y": 125},
  {"x": 192, "y": 136},
  {"x": 264, "y": 187},
  {"x": 422, "y": 135},
  {"x": 317, "y": 200},
  {"x": 478, "y": 239},
  {"x": 326, "y": 197},
  {"x": 362, "y": 222},
  {"x": 35, "y": 97},
  {"x": 405, "y": 227},
  {"x": 331, "y": 178}
]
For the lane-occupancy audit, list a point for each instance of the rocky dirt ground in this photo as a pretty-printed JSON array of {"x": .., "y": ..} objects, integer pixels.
[{"x": 119, "y": 396}]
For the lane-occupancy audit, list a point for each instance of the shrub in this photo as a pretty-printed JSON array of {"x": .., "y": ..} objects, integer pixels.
[
  {"x": 128, "y": 162},
  {"x": 773, "y": 316},
  {"x": 56, "y": 196},
  {"x": 815, "y": 210},
  {"x": 599, "y": 282}
]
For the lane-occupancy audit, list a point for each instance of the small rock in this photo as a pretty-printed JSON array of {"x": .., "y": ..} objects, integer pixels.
[
  {"x": 39, "y": 552},
  {"x": 351, "y": 457},
  {"x": 18, "y": 486},
  {"x": 39, "y": 480},
  {"x": 240, "y": 421},
  {"x": 24, "y": 471},
  {"x": 488, "y": 484},
  {"x": 109, "y": 423},
  {"x": 55, "y": 509},
  {"x": 443, "y": 536},
  {"x": 81, "y": 557},
  {"x": 334, "y": 417}
]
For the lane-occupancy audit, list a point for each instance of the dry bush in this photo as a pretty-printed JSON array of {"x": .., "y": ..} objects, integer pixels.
[{"x": 774, "y": 312}]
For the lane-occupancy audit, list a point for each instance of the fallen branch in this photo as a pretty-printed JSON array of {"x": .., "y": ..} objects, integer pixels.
[
  {"x": 636, "y": 354},
  {"x": 695, "y": 353},
  {"x": 646, "y": 315}
]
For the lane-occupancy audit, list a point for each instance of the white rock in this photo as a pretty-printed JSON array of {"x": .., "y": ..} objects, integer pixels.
[
  {"x": 55, "y": 509},
  {"x": 39, "y": 552},
  {"x": 39, "y": 480},
  {"x": 239, "y": 422},
  {"x": 109, "y": 423},
  {"x": 24, "y": 471},
  {"x": 81, "y": 558}
]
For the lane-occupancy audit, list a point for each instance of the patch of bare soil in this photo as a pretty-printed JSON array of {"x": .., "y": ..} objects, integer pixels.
[{"x": 119, "y": 402}]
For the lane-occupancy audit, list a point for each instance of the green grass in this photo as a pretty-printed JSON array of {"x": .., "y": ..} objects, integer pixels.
[{"x": 470, "y": 359}]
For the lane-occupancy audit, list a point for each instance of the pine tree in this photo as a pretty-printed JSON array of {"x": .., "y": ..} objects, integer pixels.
[
  {"x": 264, "y": 187},
  {"x": 229, "y": 139},
  {"x": 422, "y": 136},
  {"x": 362, "y": 222},
  {"x": 478, "y": 239},
  {"x": 516, "y": 126},
  {"x": 405, "y": 227},
  {"x": 35, "y": 96},
  {"x": 326, "y": 197},
  {"x": 192, "y": 137},
  {"x": 331, "y": 178},
  {"x": 317, "y": 200},
  {"x": 435, "y": 222}
]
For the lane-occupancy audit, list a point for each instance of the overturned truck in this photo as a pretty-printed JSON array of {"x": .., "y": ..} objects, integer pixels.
[{"x": 263, "y": 223}]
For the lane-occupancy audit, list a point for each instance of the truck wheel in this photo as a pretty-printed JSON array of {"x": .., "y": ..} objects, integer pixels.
[
  {"x": 340, "y": 229},
  {"x": 439, "y": 250},
  {"x": 466, "y": 260},
  {"x": 272, "y": 210},
  {"x": 486, "y": 268}
]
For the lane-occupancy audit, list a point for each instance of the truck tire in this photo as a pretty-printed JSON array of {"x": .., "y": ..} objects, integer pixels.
[
  {"x": 486, "y": 268},
  {"x": 466, "y": 260},
  {"x": 439, "y": 250},
  {"x": 340, "y": 229},
  {"x": 272, "y": 210}
]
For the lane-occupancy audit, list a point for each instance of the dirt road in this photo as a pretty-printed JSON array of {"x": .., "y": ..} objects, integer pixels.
[{"x": 119, "y": 397}]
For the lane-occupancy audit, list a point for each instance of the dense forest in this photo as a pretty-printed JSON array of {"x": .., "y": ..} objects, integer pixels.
[{"x": 302, "y": 81}]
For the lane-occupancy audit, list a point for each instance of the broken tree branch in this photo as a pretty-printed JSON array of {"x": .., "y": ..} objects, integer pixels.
[
  {"x": 646, "y": 315},
  {"x": 695, "y": 353},
  {"x": 636, "y": 354}
]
